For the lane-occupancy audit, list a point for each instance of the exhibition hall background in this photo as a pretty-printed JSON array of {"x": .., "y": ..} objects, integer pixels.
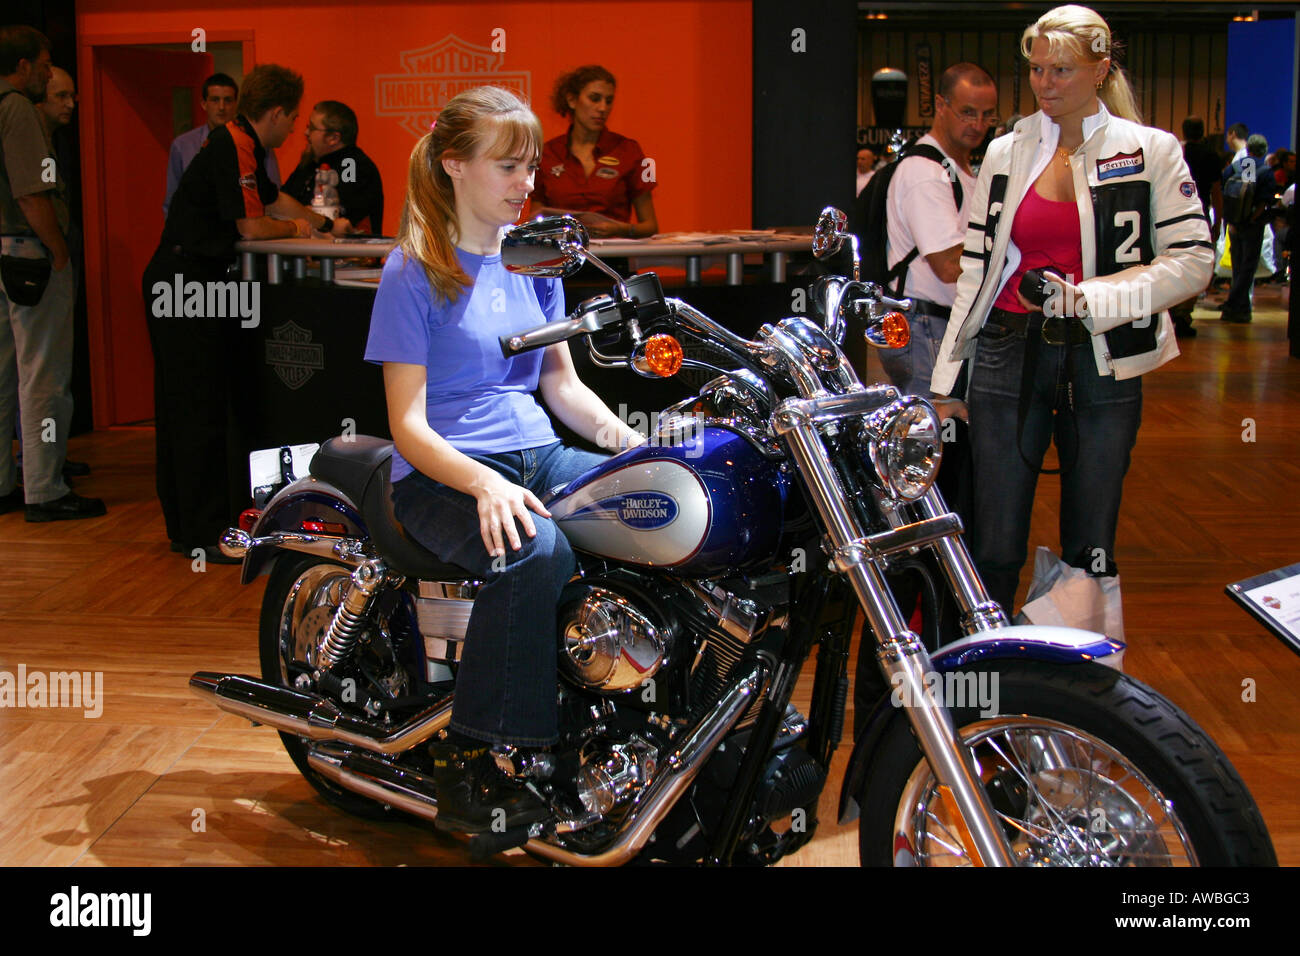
[{"x": 748, "y": 108}]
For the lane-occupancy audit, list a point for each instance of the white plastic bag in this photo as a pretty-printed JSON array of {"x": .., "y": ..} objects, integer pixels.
[
  {"x": 1069, "y": 597},
  {"x": 1223, "y": 261}
]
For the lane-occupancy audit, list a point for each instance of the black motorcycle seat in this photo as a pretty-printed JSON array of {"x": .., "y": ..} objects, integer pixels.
[{"x": 361, "y": 468}]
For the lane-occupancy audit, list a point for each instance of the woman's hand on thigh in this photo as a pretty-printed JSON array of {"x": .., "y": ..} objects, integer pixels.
[{"x": 500, "y": 504}]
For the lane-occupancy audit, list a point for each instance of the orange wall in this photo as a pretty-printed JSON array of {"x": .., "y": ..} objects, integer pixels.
[{"x": 683, "y": 69}]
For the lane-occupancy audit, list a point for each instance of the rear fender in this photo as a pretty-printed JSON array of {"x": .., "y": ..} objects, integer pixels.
[
  {"x": 1027, "y": 642},
  {"x": 305, "y": 499}
]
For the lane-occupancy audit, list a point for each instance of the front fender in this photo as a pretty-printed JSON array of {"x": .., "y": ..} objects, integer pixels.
[
  {"x": 1032, "y": 642},
  {"x": 306, "y": 498}
]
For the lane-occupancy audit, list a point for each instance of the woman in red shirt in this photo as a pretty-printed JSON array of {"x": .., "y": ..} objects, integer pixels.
[{"x": 590, "y": 171}]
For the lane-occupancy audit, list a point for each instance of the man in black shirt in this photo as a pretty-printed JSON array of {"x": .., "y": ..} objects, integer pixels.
[
  {"x": 1204, "y": 165},
  {"x": 195, "y": 309},
  {"x": 332, "y": 142}
]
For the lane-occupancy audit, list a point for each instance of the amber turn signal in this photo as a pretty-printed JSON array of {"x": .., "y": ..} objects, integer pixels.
[
  {"x": 895, "y": 330},
  {"x": 663, "y": 355}
]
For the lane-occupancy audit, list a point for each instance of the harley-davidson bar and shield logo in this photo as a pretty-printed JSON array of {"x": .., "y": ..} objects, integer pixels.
[
  {"x": 292, "y": 354},
  {"x": 436, "y": 73}
]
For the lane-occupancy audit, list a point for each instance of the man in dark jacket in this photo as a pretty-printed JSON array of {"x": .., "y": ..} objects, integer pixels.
[
  {"x": 1246, "y": 239},
  {"x": 332, "y": 142},
  {"x": 1205, "y": 166}
]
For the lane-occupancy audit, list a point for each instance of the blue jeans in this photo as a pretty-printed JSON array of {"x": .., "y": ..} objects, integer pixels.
[
  {"x": 911, "y": 367},
  {"x": 1093, "y": 443},
  {"x": 505, "y": 684}
]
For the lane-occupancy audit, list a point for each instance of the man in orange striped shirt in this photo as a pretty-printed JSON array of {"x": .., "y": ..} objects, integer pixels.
[{"x": 224, "y": 196}]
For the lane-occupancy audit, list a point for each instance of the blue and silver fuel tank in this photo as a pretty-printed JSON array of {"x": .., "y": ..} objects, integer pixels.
[{"x": 709, "y": 503}]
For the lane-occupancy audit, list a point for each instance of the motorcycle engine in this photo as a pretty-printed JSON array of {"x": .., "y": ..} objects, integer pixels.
[{"x": 612, "y": 641}]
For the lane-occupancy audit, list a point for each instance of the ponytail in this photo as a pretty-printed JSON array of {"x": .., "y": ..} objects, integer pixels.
[{"x": 486, "y": 120}]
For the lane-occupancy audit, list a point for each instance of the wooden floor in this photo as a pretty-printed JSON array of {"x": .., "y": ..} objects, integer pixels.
[{"x": 161, "y": 777}]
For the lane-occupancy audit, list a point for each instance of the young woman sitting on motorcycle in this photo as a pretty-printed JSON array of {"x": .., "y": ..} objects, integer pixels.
[{"x": 474, "y": 449}]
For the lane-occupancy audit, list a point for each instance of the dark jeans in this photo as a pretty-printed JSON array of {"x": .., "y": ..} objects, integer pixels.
[
  {"x": 1093, "y": 442},
  {"x": 505, "y": 684},
  {"x": 1245, "y": 245},
  {"x": 201, "y": 466}
]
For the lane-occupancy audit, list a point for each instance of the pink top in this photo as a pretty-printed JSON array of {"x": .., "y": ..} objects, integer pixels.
[{"x": 1047, "y": 234}]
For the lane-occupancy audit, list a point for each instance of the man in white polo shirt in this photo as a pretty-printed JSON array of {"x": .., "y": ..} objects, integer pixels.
[{"x": 927, "y": 217}]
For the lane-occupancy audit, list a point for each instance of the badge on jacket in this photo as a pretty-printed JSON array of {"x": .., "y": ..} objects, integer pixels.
[{"x": 1121, "y": 164}]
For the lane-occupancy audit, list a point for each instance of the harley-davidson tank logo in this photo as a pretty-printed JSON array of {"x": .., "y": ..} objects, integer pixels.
[
  {"x": 641, "y": 510},
  {"x": 1121, "y": 164},
  {"x": 293, "y": 355},
  {"x": 646, "y": 512},
  {"x": 434, "y": 74}
]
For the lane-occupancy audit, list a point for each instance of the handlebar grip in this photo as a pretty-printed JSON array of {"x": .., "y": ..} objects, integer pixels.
[{"x": 538, "y": 337}]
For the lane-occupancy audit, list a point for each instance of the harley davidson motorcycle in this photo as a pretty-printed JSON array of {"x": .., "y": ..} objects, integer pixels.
[{"x": 754, "y": 528}]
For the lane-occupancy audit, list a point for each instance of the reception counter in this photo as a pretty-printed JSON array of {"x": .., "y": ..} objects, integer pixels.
[
  {"x": 691, "y": 251},
  {"x": 306, "y": 378}
]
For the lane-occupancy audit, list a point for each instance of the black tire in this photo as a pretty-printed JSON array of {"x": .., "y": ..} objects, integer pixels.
[
  {"x": 1088, "y": 714},
  {"x": 292, "y": 577}
]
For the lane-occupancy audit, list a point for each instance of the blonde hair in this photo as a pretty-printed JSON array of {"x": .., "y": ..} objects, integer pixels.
[
  {"x": 1084, "y": 33},
  {"x": 485, "y": 121}
]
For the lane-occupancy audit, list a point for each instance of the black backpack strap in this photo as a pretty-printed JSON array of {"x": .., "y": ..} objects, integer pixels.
[
  {"x": 899, "y": 271},
  {"x": 930, "y": 153}
]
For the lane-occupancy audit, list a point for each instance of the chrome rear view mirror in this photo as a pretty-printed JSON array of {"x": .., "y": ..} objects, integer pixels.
[
  {"x": 829, "y": 235},
  {"x": 553, "y": 246}
]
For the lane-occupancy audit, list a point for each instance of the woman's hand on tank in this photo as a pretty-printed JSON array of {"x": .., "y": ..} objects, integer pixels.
[{"x": 500, "y": 504}]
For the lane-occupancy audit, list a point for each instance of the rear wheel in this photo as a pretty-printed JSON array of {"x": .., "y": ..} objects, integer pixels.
[
  {"x": 1084, "y": 766},
  {"x": 301, "y": 597}
]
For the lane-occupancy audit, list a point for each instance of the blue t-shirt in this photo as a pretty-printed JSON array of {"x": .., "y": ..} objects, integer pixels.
[{"x": 477, "y": 399}]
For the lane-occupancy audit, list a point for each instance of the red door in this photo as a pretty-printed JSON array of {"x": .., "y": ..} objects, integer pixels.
[{"x": 134, "y": 103}]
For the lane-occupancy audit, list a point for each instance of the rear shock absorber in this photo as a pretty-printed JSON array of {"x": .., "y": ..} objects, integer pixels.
[{"x": 350, "y": 619}]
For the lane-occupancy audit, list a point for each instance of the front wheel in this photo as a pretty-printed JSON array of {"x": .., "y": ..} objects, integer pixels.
[{"x": 1083, "y": 765}]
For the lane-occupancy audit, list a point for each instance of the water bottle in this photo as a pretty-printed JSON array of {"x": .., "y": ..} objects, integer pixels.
[{"x": 325, "y": 197}]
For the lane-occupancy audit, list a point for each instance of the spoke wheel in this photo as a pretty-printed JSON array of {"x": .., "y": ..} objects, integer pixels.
[
  {"x": 1082, "y": 765},
  {"x": 1064, "y": 797},
  {"x": 301, "y": 597}
]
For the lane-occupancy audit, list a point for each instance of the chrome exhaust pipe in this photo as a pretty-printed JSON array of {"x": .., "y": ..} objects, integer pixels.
[
  {"x": 400, "y": 787},
  {"x": 313, "y": 716},
  {"x": 681, "y": 767},
  {"x": 413, "y": 792}
]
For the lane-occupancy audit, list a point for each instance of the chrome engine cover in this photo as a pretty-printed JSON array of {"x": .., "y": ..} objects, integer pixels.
[
  {"x": 615, "y": 774},
  {"x": 609, "y": 645}
]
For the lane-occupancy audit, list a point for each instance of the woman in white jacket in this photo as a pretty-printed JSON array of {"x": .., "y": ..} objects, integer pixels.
[{"x": 1081, "y": 189}]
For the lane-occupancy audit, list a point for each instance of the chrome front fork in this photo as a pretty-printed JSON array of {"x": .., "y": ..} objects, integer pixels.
[
  {"x": 979, "y": 612},
  {"x": 903, "y": 659}
]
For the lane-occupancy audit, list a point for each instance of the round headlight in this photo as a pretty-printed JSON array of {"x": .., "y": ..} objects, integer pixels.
[{"x": 905, "y": 446}]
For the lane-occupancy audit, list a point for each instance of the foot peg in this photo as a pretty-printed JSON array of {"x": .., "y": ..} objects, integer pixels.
[{"x": 483, "y": 846}]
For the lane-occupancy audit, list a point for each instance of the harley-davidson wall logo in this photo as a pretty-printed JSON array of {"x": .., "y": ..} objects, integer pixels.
[
  {"x": 292, "y": 354},
  {"x": 436, "y": 73}
]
